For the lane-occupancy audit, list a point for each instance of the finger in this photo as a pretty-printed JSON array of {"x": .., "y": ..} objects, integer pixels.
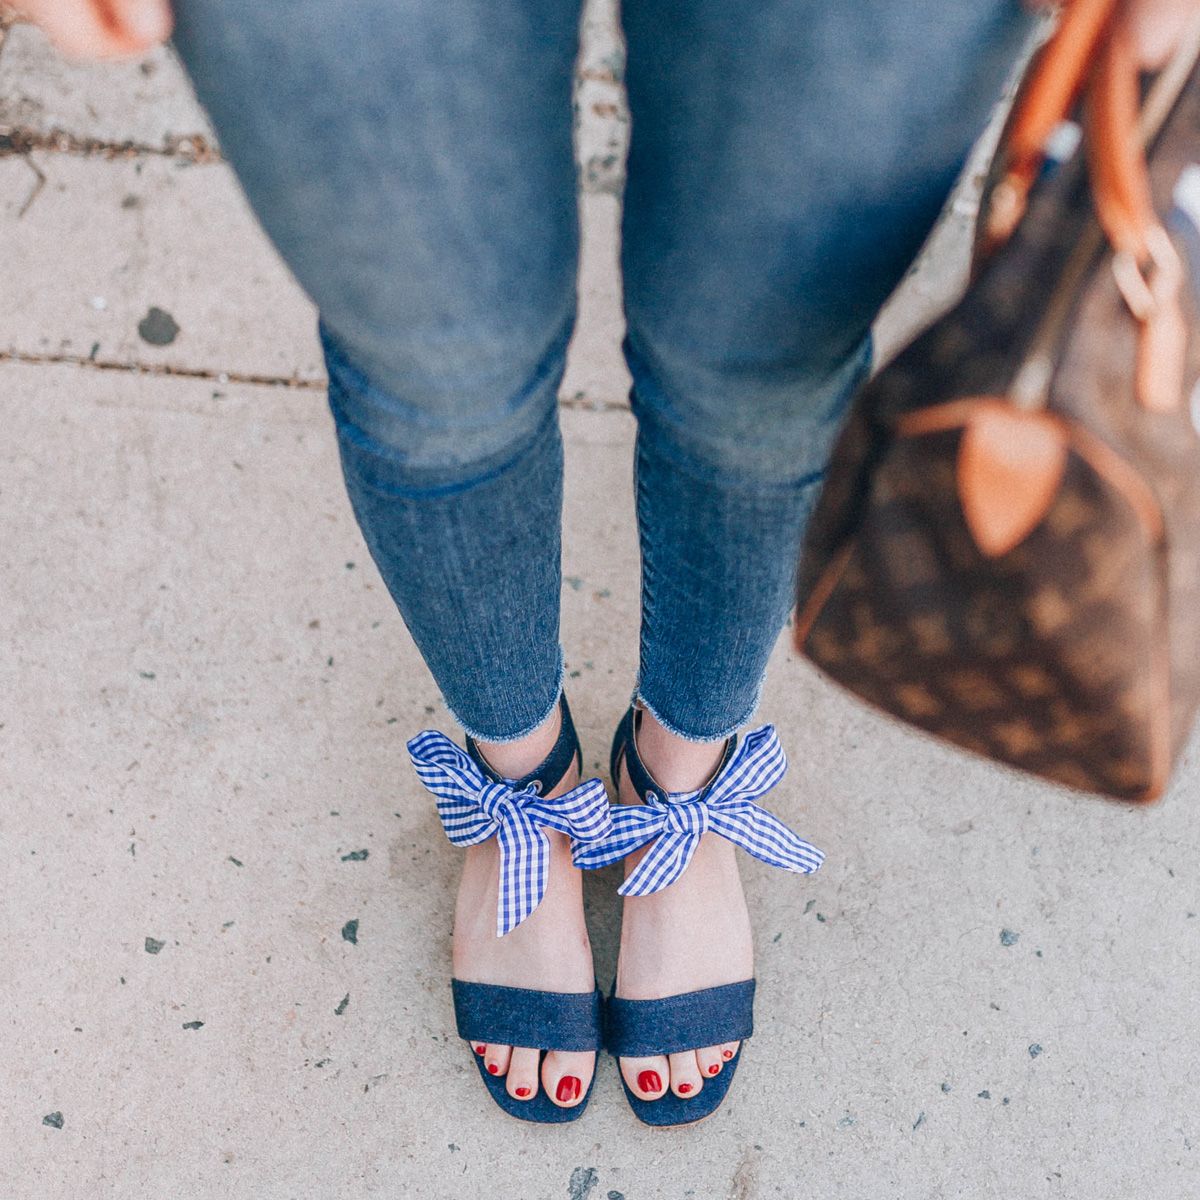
[
  {"x": 147, "y": 22},
  {"x": 1157, "y": 27},
  {"x": 101, "y": 28}
]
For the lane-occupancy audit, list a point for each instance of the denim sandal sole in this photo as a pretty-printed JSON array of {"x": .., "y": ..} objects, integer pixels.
[
  {"x": 673, "y": 1025},
  {"x": 524, "y": 1017}
]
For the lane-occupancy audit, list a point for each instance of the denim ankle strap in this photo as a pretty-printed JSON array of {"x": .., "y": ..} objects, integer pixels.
[
  {"x": 548, "y": 774},
  {"x": 675, "y": 822},
  {"x": 624, "y": 744},
  {"x": 474, "y": 807}
]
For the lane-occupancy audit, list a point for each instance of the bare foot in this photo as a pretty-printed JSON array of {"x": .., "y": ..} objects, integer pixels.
[
  {"x": 549, "y": 951},
  {"x": 693, "y": 934}
]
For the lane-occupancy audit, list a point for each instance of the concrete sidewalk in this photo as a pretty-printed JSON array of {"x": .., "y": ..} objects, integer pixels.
[{"x": 988, "y": 991}]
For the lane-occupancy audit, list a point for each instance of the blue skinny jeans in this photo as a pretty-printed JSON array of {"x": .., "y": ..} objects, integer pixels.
[{"x": 412, "y": 161}]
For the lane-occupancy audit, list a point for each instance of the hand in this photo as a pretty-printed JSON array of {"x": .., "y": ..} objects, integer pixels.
[
  {"x": 1157, "y": 26},
  {"x": 100, "y": 28}
]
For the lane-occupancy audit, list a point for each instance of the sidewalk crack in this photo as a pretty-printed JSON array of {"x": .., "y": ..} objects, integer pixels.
[
  {"x": 194, "y": 148},
  {"x": 38, "y": 183},
  {"x": 89, "y": 362},
  {"x": 140, "y": 368}
]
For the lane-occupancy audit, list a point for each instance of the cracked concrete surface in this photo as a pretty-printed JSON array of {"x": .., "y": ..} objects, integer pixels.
[
  {"x": 987, "y": 991},
  {"x": 122, "y": 236},
  {"x": 156, "y": 108}
]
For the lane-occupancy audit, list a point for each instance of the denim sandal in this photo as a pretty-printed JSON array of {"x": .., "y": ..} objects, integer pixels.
[
  {"x": 676, "y": 822},
  {"x": 507, "y": 1016},
  {"x": 474, "y": 804},
  {"x": 646, "y": 1028}
]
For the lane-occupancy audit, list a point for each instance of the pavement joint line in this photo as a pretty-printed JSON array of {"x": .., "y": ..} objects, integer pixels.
[
  {"x": 138, "y": 368},
  {"x": 195, "y": 148},
  {"x": 583, "y": 404},
  {"x": 597, "y": 74},
  {"x": 577, "y": 403}
]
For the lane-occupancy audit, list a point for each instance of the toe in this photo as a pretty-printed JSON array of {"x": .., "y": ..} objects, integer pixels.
[
  {"x": 566, "y": 1075},
  {"x": 728, "y": 1050},
  {"x": 647, "y": 1078},
  {"x": 496, "y": 1059},
  {"x": 710, "y": 1061},
  {"x": 522, "y": 1082},
  {"x": 686, "y": 1079}
]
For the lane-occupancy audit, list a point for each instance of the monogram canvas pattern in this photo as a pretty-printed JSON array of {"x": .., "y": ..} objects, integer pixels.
[
  {"x": 1075, "y": 655},
  {"x": 1043, "y": 658}
]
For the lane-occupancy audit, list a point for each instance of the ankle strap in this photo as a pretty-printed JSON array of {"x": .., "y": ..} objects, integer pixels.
[
  {"x": 625, "y": 744},
  {"x": 675, "y": 823},
  {"x": 548, "y": 774}
]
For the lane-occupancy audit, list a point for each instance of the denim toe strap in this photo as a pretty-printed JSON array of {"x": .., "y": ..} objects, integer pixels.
[
  {"x": 645, "y": 1028},
  {"x": 677, "y": 821},
  {"x": 505, "y": 1016},
  {"x": 474, "y": 808}
]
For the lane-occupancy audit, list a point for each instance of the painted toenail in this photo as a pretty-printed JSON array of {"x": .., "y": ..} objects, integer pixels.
[
  {"x": 522, "y": 1092},
  {"x": 684, "y": 1088},
  {"x": 480, "y": 1049},
  {"x": 714, "y": 1068},
  {"x": 648, "y": 1081},
  {"x": 493, "y": 1069},
  {"x": 726, "y": 1053},
  {"x": 568, "y": 1089}
]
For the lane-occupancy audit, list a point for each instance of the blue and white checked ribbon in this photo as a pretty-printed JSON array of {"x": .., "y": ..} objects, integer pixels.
[
  {"x": 473, "y": 809},
  {"x": 726, "y": 807}
]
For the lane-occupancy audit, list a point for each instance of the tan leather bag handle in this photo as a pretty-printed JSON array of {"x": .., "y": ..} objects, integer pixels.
[
  {"x": 1145, "y": 263},
  {"x": 1092, "y": 50},
  {"x": 1055, "y": 81}
]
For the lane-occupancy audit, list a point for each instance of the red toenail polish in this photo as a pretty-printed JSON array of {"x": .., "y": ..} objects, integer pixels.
[
  {"x": 714, "y": 1068},
  {"x": 568, "y": 1089},
  {"x": 522, "y": 1092},
  {"x": 480, "y": 1049},
  {"x": 684, "y": 1088},
  {"x": 493, "y": 1069},
  {"x": 649, "y": 1081},
  {"x": 726, "y": 1053}
]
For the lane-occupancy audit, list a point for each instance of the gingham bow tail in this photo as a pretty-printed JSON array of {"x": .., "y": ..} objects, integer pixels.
[
  {"x": 727, "y": 807},
  {"x": 473, "y": 809}
]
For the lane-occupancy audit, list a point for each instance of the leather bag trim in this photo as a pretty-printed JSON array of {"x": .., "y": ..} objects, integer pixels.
[{"x": 1115, "y": 471}]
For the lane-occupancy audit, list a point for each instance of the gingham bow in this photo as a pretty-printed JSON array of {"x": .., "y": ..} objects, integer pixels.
[
  {"x": 726, "y": 807},
  {"x": 472, "y": 809}
]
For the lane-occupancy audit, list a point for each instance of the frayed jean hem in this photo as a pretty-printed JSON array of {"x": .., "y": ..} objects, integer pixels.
[
  {"x": 640, "y": 700},
  {"x": 493, "y": 739}
]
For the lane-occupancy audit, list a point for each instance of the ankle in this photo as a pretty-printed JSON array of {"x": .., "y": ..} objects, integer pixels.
[
  {"x": 675, "y": 763},
  {"x": 513, "y": 760}
]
